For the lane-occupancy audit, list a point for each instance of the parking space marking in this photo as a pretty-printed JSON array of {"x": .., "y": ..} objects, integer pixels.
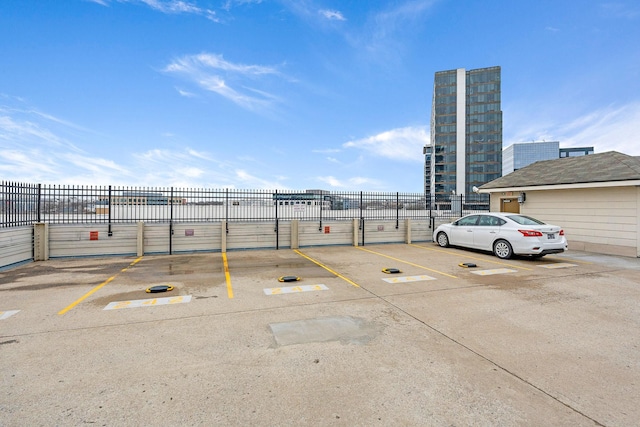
[
  {"x": 97, "y": 288},
  {"x": 558, "y": 265},
  {"x": 319, "y": 264},
  {"x": 407, "y": 279},
  {"x": 116, "y": 305},
  {"x": 469, "y": 257},
  {"x": 227, "y": 276},
  {"x": 494, "y": 271},
  {"x": 293, "y": 289},
  {"x": 407, "y": 262},
  {"x": 7, "y": 314}
]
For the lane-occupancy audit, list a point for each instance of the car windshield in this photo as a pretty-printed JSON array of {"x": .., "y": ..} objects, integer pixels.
[{"x": 525, "y": 220}]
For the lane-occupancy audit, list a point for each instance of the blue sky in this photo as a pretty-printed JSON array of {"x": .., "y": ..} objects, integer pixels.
[{"x": 306, "y": 94}]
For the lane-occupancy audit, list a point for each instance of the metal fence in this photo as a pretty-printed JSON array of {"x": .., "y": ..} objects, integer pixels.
[{"x": 25, "y": 204}]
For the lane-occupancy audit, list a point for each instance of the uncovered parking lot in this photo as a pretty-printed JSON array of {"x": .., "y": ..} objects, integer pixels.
[{"x": 549, "y": 341}]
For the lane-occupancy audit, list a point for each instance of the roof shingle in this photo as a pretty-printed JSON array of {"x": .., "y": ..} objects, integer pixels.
[{"x": 601, "y": 167}]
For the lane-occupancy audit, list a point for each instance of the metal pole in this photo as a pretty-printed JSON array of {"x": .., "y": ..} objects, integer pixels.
[
  {"x": 276, "y": 226},
  {"x": 109, "y": 231},
  {"x": 321, "y": 206},
  {"x": 39, "y": 203},
  {"x": 397, "y": 210},
  {"x": 171, "y": 223}
]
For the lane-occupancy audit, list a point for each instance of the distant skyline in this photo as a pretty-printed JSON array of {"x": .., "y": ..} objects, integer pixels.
[{"x": 305, "y": 94}]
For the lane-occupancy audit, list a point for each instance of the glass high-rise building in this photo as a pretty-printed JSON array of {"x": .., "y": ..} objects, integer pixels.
[
  {"x": 521, "y": 154},
  {"x": 466, "y": 130}
]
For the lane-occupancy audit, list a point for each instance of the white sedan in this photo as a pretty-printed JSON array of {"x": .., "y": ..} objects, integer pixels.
[{"x": 504, "y": 234}]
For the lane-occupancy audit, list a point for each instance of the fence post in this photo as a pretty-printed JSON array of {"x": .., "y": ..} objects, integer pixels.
[
  {"x": 39, "y": 203},
  {"x": 109, "y": 231},
  {"x": 397, "y": 209},
  {"x": 171, "y": 222},
  {"x": 321, "y": 206},
  {"x": 276, "y": 228}
]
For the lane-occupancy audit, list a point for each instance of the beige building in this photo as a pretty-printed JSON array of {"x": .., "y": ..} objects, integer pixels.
[{"x": 595, "y": 198}]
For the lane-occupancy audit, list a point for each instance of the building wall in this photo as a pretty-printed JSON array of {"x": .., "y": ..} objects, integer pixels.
[
  {"x": 601, "y": 220},
  {"x": 466, "y": 130},
  {"x": 523, "y": 154}
]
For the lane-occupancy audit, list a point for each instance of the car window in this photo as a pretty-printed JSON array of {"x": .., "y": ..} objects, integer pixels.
[
  {"x": 468, "y": 220},
  {"x": 525, "y": 220},
  {"x": 486, "y": 220}
]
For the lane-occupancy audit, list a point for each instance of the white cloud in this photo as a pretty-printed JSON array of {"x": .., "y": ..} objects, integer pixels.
[
  {"x": 332, "y": 15},
  {"x": 250, "y": 181},
  {"x": 212, "y": 73},
  {"x": 606, "y": 129},
  {"x": 403, "y": 144},
  {"x": 170, "y": 7},
  {"x": 381, "y": 34},
  {"x": 350, "y": 183}
]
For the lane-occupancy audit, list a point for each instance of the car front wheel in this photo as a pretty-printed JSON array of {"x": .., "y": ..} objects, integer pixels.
[
  {"x": 443, "y": 240},
  {"x": 502, "y": 249}
]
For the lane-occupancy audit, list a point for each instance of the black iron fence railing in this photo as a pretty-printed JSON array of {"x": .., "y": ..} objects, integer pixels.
[{"x": 25, "y": 204}]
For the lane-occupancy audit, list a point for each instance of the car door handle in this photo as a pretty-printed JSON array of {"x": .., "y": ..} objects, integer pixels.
[{"x": 469, "y": 231}]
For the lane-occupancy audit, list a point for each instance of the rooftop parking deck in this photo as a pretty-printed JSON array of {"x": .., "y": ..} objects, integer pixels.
[{"x": 520, "y": 342}]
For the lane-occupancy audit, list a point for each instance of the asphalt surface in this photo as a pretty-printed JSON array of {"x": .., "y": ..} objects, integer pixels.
[{"x": 552, "y": 341}]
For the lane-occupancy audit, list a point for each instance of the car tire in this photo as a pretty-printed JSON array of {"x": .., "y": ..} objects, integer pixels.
[
  {"x": 443, "y": 239},
  {"x": 502, "y": 249}
]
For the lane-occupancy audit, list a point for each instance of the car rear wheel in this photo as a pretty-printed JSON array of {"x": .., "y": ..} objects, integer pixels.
[
  {"x": 502, "y": 249},
  {"x": 443, "y": 240}
]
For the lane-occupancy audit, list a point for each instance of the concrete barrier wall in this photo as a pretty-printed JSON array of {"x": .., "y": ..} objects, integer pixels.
[
  {"x": 16, "y": 245},
  {"x": 58, "y": 240},
  {"x": 196, "y": 237},
  {"x": 257, "y": 235},
  {"x": 92, "y": 240},
  {"x": 311, "y": 233}
]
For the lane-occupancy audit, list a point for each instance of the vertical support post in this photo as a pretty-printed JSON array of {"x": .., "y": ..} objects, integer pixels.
[
  {"x": 321, "y": 206},
  {"x": 356, "y": 221},
  {"x": 407, "y": 224},
  {"x": 140, "y": 239},
  {"x": 397, "y": 210},
  {"x": 38, "y": 216},
  {"x": 276, "y": 230},
  {"x": 295, "y": 237},
  {"x": 171, "y": 222},
  {"x": 40, "y": 241},
  {"x": 224, "y": 229},
  {"x": 109, "y": 231}
]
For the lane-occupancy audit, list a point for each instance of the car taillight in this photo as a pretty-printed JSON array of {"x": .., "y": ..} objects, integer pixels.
[
  {"x": 530, "y": 233},
  {"x": 562, "y": 232}
]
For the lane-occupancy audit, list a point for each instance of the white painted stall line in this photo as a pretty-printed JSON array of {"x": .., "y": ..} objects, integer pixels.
[
  {"x": 7, "y": 314},
  {"x": 406, "y": 279},
  {"x": 494, "y": 271},
  {"x": 116, "y": 305},
  {"x": 293, "y": 289},
  {"x": 558, "y": 265}
]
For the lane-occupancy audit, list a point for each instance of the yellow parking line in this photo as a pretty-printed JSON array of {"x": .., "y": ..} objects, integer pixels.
[
  {"x": 97, "y": 288},
  {"x": 407, "y": 262},
  {"x": 470, "y": 257},
  {"x": 326, "y": 268},
  {"x": 227, "y": 276}
]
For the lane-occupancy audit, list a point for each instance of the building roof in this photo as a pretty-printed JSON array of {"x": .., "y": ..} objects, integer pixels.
[{"x": 602, "y": 167}]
